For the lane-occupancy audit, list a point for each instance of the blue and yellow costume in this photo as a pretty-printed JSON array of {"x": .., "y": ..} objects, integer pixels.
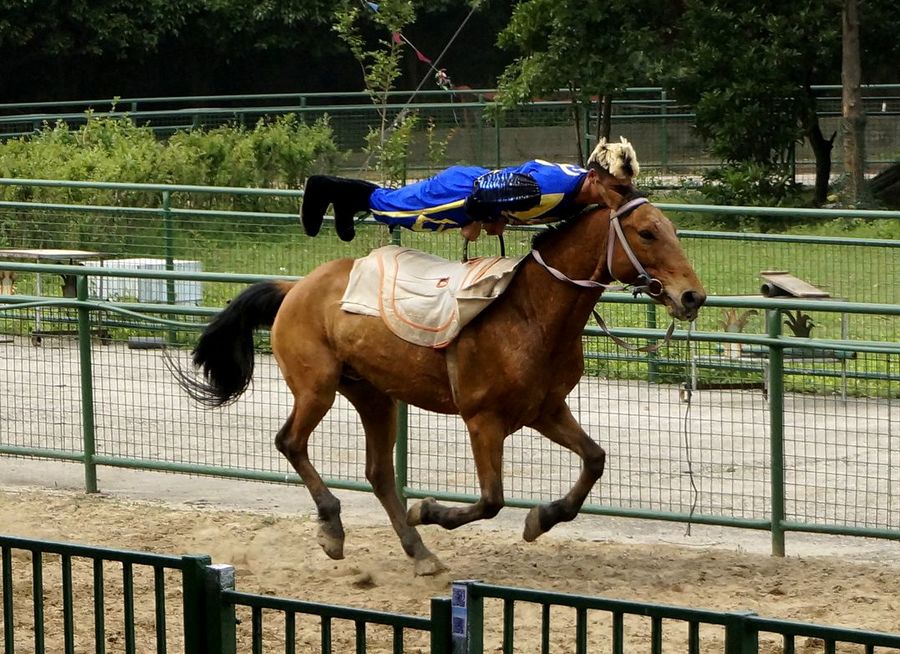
[
  {"x": 534, "y": 192},
  {"x": 438, "y": 203}
]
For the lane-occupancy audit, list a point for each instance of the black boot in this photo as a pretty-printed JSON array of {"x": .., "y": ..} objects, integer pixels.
[
  {"x": 351, "y": 198},
  {"x": 317, "y": 195}
]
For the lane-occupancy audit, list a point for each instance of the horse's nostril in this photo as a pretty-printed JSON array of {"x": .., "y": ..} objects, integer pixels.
[{"x": 692, "y": 299}]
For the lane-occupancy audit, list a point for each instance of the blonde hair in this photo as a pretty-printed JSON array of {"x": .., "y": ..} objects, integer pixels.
[{"x": 618, "y": 159}]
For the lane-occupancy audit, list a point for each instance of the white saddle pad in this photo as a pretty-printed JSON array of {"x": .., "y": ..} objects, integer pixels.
[{"x": 422, "y": 298}]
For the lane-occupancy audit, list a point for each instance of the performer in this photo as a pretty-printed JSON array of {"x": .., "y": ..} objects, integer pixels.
[{"x": 536, "y": 191}]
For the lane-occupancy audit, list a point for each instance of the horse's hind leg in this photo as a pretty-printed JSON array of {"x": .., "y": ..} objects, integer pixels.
[
  {"x": 293, "y": 442},
  {"x": 561, "y": 427},
  {"x": 378, "y": 414}
]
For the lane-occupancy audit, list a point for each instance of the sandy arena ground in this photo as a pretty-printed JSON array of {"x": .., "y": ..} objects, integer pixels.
[{"x": 268, "y": 533}]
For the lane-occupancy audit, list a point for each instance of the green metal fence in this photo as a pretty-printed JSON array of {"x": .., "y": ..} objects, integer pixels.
[
  {"x": 661, "y": 130},
  {"x": 257, "y": 231},
  {"x": 820, "y": 458},
  {"x": 787, "y": 431},
  {"x": 166, "y": 603},
  {"x": 490, "y": 618}
]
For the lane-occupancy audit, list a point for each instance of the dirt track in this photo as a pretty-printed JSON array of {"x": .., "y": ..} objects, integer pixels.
[{"x": 276, "y": 554}]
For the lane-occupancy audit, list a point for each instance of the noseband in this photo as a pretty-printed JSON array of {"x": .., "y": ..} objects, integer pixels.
[{"x": 646, "y": 284}]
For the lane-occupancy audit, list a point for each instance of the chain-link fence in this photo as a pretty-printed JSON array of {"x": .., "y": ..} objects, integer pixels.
[
  {"x": 840, "y": 383},
  {"x": 475, "y": 132}
]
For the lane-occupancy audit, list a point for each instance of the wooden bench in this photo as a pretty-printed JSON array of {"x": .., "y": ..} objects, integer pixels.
[{"x": 743, "y": 357}]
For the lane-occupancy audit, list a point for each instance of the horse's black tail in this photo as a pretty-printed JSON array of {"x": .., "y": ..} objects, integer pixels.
[{"x": 225, "y": 350}]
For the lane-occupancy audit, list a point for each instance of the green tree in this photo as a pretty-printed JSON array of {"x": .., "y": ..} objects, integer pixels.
[
  {"x": 388, "y": 143},
  {"x": 592, "y": 50},
  {"x": 748, "y": 67},
  {"x": 54, "y": 38}
]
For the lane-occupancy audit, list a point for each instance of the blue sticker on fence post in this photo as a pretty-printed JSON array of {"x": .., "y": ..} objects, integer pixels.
[{"x": 459, "y": 616}]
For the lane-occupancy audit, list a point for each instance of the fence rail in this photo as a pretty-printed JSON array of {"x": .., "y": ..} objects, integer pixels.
[
  {"x": 762, "y": 462},
  {"x": 739, "y": 632},
  {"x": 661, "y": 129},
  {"x": 209, "y": 618},
  {"x": 780, "y": 503}
]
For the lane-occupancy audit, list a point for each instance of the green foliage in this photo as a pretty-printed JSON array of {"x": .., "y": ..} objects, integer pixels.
[
  {"x": 387, "y": 144},
  {"x": 592, "y": 49},
  {"x": 278, "y": 154},
  {"x": 87, "y": 27},
  {"x": 751, "y": 184},
  {"x": 748, "y": 73},
  {"x": 390, "y": 151}
]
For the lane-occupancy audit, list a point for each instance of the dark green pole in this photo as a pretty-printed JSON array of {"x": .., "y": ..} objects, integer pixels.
[
  {"x": 776, "y": 429},
  {"x": 652, "y": 363},
  {"x": 480, "y": 128},
  {"x": 169, "y": 246},
  {"x": 497, "y": 120},
  {"x": 87, "y": 385},
  {"x": 441, "y": 642},
  {"x": 664, "y": 134},
  {"x": 401, "y": 449},
  {"x": 741, "y": 637}
]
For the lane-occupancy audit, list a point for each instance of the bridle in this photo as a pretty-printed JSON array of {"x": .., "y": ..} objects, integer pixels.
[{"x": 646, "y": 284}]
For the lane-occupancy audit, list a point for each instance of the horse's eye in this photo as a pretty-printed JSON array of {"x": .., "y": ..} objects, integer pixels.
[{"x": 646, "y": 234}]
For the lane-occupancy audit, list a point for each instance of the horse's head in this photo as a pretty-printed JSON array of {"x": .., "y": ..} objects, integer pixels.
[{"x": 658, "y": 262}]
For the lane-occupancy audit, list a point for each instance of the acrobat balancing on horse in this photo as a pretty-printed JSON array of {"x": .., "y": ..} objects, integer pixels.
[{"x": 466, "y": 197}]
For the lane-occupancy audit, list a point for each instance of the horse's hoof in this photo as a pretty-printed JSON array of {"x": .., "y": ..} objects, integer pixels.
[
  {"x": 429, "y": 566},
  {"x": 532, "y": 525},
  {"x": 331, "y": 543},
  {"x": 414, "y": 515}
]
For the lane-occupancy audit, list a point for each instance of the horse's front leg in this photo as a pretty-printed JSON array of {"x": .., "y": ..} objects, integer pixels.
[
  {"x": 560, "y": 426},
  {"x": 486, "y": 435}
]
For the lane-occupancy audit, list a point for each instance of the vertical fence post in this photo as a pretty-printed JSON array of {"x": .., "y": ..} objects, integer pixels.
[
  {"x": 441, "y": 641},
  {"x": 776, "y": 430},
  {"x": 498, "y": 118},
  {"x": 87, "y": 385},
  {"x": 169, "y": 250},
  {"x": 401, "y": 448},
  {"x": 209, "y": 622},
  {"x": 401, "y": 451},
  {"x": 193, "y": 596},
  {"x": 664, "y": 133},
  {"x": 585, "y": 135},
  {"x": 479, "y": 158},
  {"x": 466, "y": 618},
  {"x": 740, "y": 635},
  {"x": 652, "y": 357}
]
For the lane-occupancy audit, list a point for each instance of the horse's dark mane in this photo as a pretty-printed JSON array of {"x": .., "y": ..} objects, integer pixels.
[{"x": 628, "y": 193}]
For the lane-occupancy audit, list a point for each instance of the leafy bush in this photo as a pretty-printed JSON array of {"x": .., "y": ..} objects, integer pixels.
[
  {"x": 755, "y": 185},
  {"x": 278, "y": 153}
]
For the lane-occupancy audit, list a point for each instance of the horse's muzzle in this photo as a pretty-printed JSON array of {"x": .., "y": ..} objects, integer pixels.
[{"x": 691, "y": 301}]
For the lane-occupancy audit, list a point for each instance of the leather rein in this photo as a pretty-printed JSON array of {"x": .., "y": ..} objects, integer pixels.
[{"x": 647, "y": 284}]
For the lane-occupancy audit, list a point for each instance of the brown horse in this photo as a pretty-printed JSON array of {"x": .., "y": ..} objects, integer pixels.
[{"x": 511, "y": 367}]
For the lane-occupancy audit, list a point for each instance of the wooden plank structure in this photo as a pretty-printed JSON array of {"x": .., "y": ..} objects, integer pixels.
[{"x": 781, "y": 283}]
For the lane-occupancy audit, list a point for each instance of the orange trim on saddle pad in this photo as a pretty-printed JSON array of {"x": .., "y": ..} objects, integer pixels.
[{"x": 425, "y": 299}]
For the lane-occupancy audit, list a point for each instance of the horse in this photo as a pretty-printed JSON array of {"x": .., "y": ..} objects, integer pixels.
[{"x": 511, "y": 367}]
